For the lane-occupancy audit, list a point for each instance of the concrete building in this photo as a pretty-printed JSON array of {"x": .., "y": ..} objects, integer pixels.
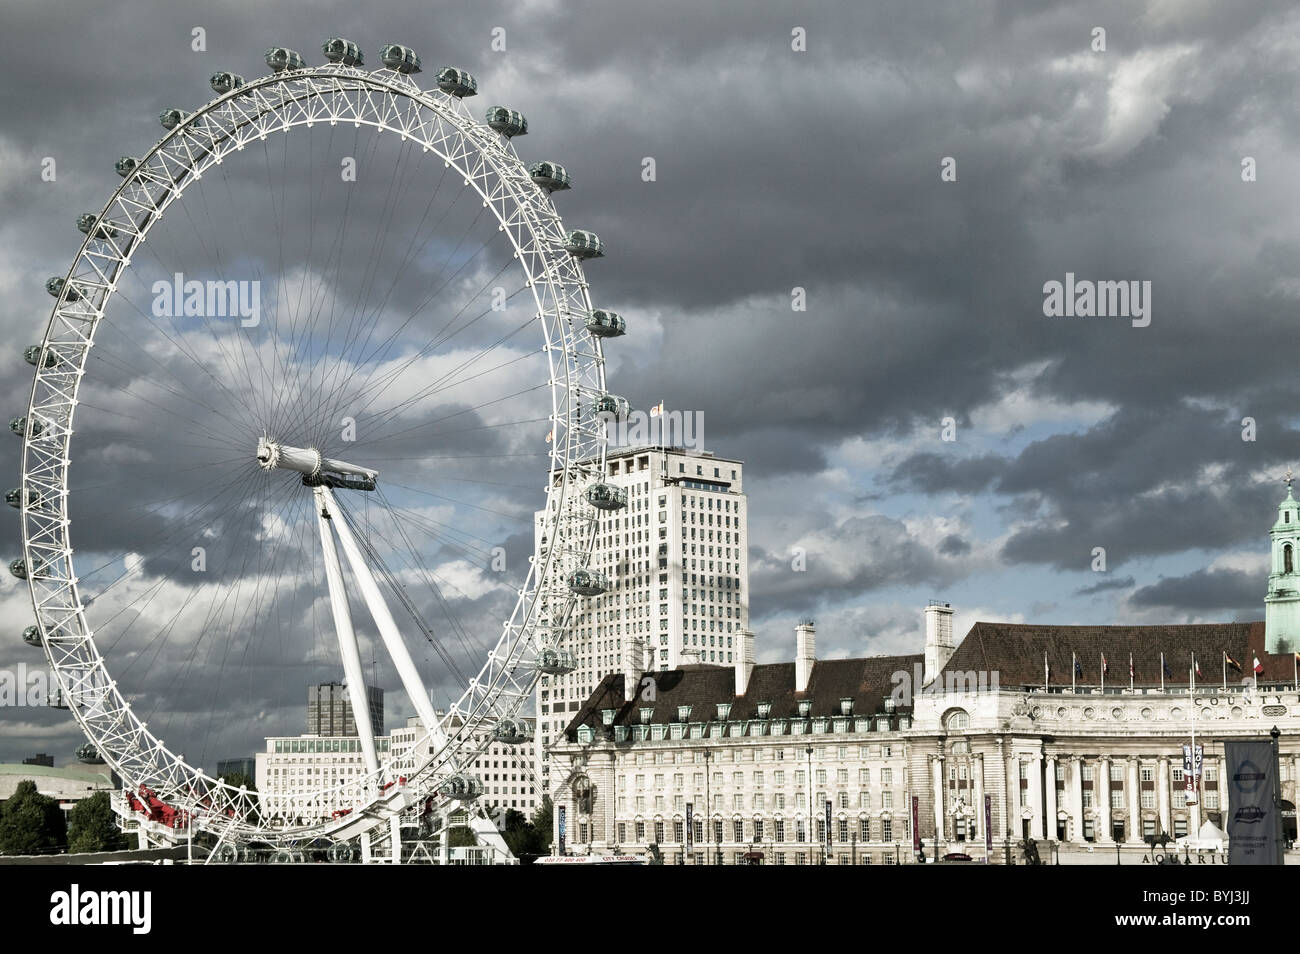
[
  {"x": 294, "y": 771},
  {"x": 40, "y": 759},
  {"x": 505, "y": 770},
  {"x": 678, "y": 571},
  {"x": 227, "y": 768},
  {"x": 329, "y": 711},
  {"x": 1069, "y": 736},
  {"x": 68, "y": 785}
]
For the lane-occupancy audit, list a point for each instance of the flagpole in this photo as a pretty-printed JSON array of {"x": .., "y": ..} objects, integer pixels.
[
  {"x": 1046, "y": 677},
  {"x": 1162, "y": 672},
  {"x": 1130, "y": 673},
  {"x": 1103, "y": 674},
  {"x": 1224, "y": 653},
  {"x": 1074, "y": 668},
  {"x": 1191, "y": 678}
]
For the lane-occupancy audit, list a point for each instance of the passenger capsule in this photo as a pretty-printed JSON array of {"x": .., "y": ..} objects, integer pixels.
[
  {"x": 605, "y": 324},
  {"x": 462, "y": 787},
  {"x": 56, "y": 285},
  {"x": 341, "y": 853},
  {"x": 339, "y": 50},
  {"x": 89, "y": 754},
  {"x": 456, "y": 82},
  {"x": 224, "y": 82},
  {"x": 582, "y": 244},
  {"x": 556, "y": 662},
  {"x": 613, "y": 404},
  {"x": 171, "y": 118},
  {"x": 281, "y": 59},
  {"x": 14, "y": 498},
  {"x": 506, "y": 121},
  {"x": 606, "y": 496},
  {"x": 126, "y": 165},
  {"x": 588, "y": 582},
  {"x": 19, "y": 426},
  {"x": 510, "y": 731},
  {"x": 19, "y": 569},
  {"x": 88, "y": 223},
  {"x": 551, "y": 176},
  {"x": 32, "y": 355},
  {"x": 403, "y": 59},
  {"x": 32, "y": 636}
]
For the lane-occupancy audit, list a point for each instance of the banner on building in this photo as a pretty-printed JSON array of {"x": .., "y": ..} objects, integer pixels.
[
  {"x": 560, "y": 825},
  {"x": 916, "y": 823},
  {"x": 1254, "y": 825},
  {"x": 1193, "y": 758},
  {"x": 988, "y": 827},
  {"x": 828, "y": 826},
  {"x": 690, "y": 826}
]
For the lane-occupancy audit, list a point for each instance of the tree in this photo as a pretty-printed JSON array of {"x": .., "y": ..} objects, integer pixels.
[
  {"x": 236, "y": 779},
  {"x": 541, "y": 823},
  {"x": 31, "y": 823},
  {"x": 93, "y": 827},
  {"x": 460, "y": 836}
]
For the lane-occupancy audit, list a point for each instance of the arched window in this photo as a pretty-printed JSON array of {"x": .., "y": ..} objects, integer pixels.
[
  {"x": 958, "y": 719},
  {"x": 1286, "y": 559}
]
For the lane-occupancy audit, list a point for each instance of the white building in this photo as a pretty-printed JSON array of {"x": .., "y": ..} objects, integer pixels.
[
  {"x": 505, "y": 770},
  {"x": 1067, "y": 736},
  {"x": 678, "y": 573},
  {"x": 294, "y": 771}
]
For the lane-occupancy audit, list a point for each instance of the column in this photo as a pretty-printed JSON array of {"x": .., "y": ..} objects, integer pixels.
[
  {"x": 1074, "y": 798},
  {"x": 936, "y": 773},
  {"x": 1101, "y": 785},
  {"x": 1035, "y": 771},
  {"x": 1163, "y": 795},
  {"x": 1050, "y": 782},
  {"x": 977, "y": 769},
  {"x": 1011, "y": 817},
  {"x": 1133, "y": 830}
]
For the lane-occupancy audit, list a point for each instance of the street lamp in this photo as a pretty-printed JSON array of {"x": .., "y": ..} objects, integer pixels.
[{"x": 708, "y": 803}]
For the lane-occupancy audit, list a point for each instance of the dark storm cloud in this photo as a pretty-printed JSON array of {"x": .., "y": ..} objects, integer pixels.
[
  {"x": 1210, "y": 589},
  {"x": 1105, "y": 586}
]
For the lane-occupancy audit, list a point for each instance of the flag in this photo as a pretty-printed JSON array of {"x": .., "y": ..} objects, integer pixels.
[
  {"x": 1233, "y": 663},
  {"x": 657, "y": 409},
  {"x": 550, "y": 436},
  {"x": 1197, "y": 665},
  {"x": 1105, "y": 666},
  {"x": 1078, "y": 668},
  {"x": 1165, "y": 666},
  {"x": 1130, "y": 667},
  {"x": 1259, "y": 666}
]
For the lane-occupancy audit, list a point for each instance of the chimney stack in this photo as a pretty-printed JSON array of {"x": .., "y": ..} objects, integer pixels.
[
  {"x": 632, "y": 668},
  {"x": 938, "y": 639},
  {"x": 744, "y": 663},
  {"x": 805, "y": 653}
]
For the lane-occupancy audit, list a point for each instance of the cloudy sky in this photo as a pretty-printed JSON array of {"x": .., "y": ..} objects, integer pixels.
[{"x": 921, "y": 430}]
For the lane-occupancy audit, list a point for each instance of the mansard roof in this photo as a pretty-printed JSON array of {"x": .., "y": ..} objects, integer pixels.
[{"x": 867, "y": 681}]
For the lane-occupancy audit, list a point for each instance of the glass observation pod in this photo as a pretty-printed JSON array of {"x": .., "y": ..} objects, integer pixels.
[
  {"x": 606, "y": 497},
  {"x": 339, "y": 50},
  {"x": 508, "y": 122},
  {"x": 87, "y": 223},
  {"x": 89, "y": 754},
  {"x": 340, "y": 853},
  {"x": 32, "y": 355},
  {"x": 281, "y": 59},
  {"x": 14, "y": 498},
  {"x": 457, "y": 82},
  {"x": 462, "y": 787},
  {"x": 613, "y": 404},
  {"x": 224, "y": 82},
  {"x": 512, "y": 732},
  {"x": 556, "y": 662},
  {"x": 588, "y": 582},
  {"x": 606, "y": 324},
  {"x": 582, "y": 244},
  {"x": 551, "y": 176},
  {"x": 56, "y": 285},
  {"x": 126, "y": 165},
  {"x": 402, "y": 59},
  {"x": 171, "y": 118},
  {"x": 19, "y": 426},
  {"x": 32, "y": 636}
]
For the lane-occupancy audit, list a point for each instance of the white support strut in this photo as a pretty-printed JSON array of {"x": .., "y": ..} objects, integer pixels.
[{"x": 351, "y": 656}]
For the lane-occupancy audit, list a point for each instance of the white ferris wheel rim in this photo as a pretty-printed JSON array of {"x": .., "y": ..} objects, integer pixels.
[{"x": 523, "y": 211}]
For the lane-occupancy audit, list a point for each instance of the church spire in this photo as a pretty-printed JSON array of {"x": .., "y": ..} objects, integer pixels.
[{"x": 1282, "y": 602}]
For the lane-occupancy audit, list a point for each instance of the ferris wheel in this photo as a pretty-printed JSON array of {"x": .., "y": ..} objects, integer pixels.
[{"x": 326, "y": 342}]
